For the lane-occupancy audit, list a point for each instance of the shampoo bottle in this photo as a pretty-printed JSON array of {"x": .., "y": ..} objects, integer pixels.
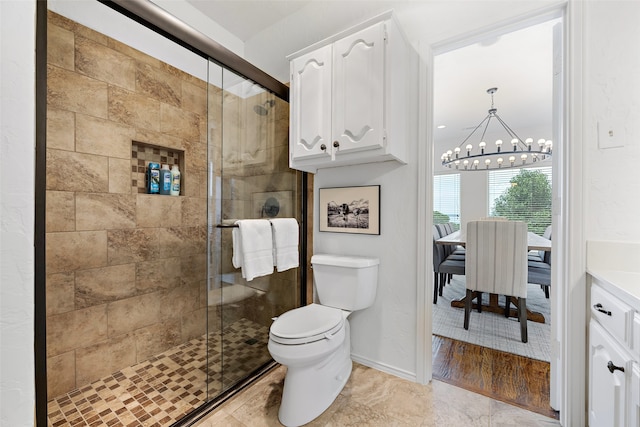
[
  {"x": 153, "y": 178},
  {"x": 165, "y": 180},
  {"x": 175, "y": 180}
]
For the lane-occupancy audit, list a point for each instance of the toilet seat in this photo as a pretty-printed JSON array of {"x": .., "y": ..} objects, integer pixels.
[{"x": 307, "y": 324}]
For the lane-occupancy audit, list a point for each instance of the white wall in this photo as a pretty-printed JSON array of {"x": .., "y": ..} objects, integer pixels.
[
  {"x": 383, "y": 335},
  {"x": 17, "y": 157},
  {"x": 187, "y": 13},
  {"x": 612, "y": 77},
  {"x": 474, "y": 197}
]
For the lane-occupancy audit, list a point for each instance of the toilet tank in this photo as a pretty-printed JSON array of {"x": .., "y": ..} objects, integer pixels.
[{"x": 345, "y": 282}]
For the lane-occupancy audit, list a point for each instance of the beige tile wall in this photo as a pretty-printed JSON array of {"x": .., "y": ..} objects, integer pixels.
[{"x": 124, "y": 270}]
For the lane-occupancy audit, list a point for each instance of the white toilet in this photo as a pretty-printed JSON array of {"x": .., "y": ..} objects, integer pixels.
[{"x": 313, "y": 342}]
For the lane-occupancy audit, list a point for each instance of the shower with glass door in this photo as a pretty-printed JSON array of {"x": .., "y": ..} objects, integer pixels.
[{"x": 146, "y": 317}]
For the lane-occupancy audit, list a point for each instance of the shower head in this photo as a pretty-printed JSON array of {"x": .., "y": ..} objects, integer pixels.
[{"x": 263, "y": 109}]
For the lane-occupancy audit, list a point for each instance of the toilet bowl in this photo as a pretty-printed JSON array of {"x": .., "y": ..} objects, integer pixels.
[{"x": 314, "y": 341}]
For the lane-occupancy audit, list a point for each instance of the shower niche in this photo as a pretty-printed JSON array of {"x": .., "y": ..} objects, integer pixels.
[{"x": 143, "y": 153}]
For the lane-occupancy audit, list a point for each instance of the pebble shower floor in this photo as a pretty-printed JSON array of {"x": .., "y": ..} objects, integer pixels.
[{"x": 161, "y": 390}]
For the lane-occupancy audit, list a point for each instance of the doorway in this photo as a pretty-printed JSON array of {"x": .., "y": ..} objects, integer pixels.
[{"x": 519, "y": 95}]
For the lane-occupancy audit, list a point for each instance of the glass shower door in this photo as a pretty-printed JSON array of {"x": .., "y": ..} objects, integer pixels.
[{"x": 249, "y": 178}]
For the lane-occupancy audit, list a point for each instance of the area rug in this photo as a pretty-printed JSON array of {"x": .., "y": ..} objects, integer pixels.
[{"x": 494, "y": 330}]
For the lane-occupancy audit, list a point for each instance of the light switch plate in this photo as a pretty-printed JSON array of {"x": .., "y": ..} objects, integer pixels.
[{"x": 611, "y": 134}]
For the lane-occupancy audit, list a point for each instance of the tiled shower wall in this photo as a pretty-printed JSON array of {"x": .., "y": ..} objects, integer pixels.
[{"x": 126, "y": 272}]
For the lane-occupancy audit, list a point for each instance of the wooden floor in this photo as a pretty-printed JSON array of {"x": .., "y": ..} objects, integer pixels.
[{"x": 506, "y": 377}]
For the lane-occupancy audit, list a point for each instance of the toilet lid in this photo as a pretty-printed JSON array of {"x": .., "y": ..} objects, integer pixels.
[{"x": 306, "y": 324}]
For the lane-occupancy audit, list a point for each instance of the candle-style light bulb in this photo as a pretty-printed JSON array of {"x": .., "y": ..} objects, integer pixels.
[
  {"x": 524, "y": 158},
  {"x": 499, "y": 144},
  {"x": 466, "y": 164},
  {"x": 541, "y": 142},
  {"x": 457, "y": 151},
  {"x": 469, "y": 147},
  {"x": 528, "y": 141},
  {"x": 487, "y": 163},
  {"x": 476, "y": 163},
  {"x": 482, "y": 145},
  {"x": 514, "y": 142},
  {"x": 548, "y": 144},
  {"x": 457, "y": 163},
  {"x": 500, "y": 160},
  {"x": 512, "y": 159}
]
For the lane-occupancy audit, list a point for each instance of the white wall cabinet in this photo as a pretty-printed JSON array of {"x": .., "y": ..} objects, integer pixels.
[
  {"x": 349, "y": 99},
  {"x": 614, "y": 372}
]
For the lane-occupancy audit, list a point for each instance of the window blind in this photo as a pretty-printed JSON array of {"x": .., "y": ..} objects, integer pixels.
[{"x": 446, "y": 199}]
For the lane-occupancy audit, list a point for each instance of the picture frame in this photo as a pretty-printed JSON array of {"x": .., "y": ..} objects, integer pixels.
[{"x": 353, "y": 210}]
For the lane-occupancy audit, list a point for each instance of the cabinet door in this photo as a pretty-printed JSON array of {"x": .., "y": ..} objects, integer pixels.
[
  {"x": 311, "y": 104},
  {"x": 633, "y": 413},
  {"x": 358, "y": 90},
  {"x": 607, "y": 389}
]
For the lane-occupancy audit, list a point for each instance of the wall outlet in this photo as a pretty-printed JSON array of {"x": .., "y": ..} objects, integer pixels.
[{"x": 611, "y": 134}]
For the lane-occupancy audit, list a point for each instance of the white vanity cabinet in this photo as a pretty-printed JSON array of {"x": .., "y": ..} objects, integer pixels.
[
  {"x": 614, "y": 372},
  {"x": 350, "y": 97}
]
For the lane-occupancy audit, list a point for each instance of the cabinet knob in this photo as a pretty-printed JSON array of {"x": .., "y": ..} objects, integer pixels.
[
  {"x": 599, "y": 308},
  {"x": 323, "y": 147},
  {"x": 613, "y": 367},
  {"x": 336, "y": 144}
]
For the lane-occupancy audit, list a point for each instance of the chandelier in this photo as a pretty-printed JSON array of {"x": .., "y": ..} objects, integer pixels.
[{"x": 521, "y": 152}]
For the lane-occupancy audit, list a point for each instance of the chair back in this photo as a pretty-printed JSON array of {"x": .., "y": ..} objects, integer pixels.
[
  {"x": 438, "y": 250},
  {"x": 546, "y": 255},
  {"x": 442, "y": 231},
  {"x": 496, "y": 258}
]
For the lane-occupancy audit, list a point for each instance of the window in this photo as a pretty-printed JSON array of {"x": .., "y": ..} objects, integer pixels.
[
  {"x": 522, "y": 195},
  {"x": 446, "y": 199}
]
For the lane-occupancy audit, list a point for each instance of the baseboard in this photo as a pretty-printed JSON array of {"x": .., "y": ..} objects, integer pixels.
[{"x": 401, "y": 373}]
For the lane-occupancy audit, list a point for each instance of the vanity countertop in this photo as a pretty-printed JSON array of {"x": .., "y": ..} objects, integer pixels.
[
  {"x": 616, "y": 267},
  {"x": 625, "y": 284}
]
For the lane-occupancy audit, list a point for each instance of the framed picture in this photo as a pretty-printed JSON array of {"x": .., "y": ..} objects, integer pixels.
[{"x": 350, "y": 209}]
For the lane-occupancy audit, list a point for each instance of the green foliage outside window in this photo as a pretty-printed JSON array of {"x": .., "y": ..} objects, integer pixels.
[
  {"x": 528, "y": 199},
  {"x": 440, "y": 218}
]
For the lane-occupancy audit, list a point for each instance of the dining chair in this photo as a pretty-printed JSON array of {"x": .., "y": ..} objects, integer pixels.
[
  {"x": 443, "y": 266},
  {"x": 457, "y": 249},
  {"x": 539, "y": 266},
  {"x": 540, "y": 255},
  {"x": 496, "y": 262},
  {"x": 451, "y": 252},
  {"x": 445, "y": 229}
]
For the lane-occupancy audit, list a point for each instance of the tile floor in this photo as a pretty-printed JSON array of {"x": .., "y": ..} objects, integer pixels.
[
  {"x": 374, "y": 398},
  {"x": 161, "y": 390}
]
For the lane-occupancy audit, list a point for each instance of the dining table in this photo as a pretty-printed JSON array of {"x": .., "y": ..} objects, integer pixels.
[{"x": 534, "y": 242}]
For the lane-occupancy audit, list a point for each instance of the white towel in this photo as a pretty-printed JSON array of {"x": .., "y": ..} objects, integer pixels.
[
  {"x": 285, "y": 243},
  {"x": 253, "y": 248}
]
